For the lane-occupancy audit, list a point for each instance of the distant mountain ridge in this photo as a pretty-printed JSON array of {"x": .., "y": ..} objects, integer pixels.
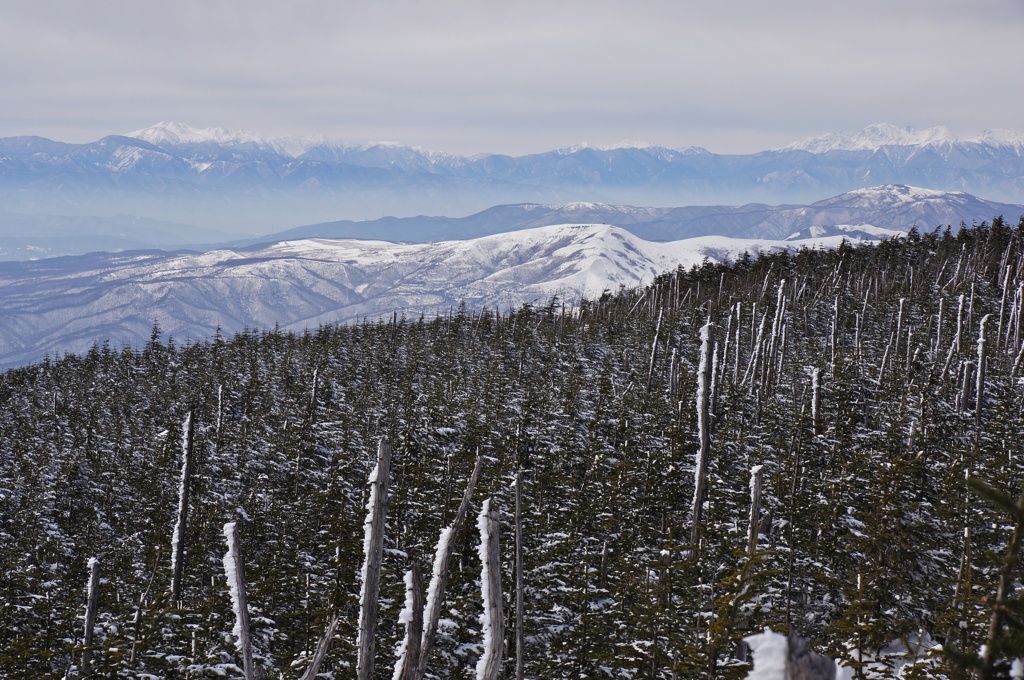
[
  {"x": 891, "y": 207},
  {"x": 243, "y": 182}
]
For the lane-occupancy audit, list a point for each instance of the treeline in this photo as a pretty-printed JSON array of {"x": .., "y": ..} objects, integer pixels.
[{"x": 865, "y": 386}]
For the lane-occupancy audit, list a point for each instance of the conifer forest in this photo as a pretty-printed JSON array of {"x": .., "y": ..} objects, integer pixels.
[{"x": 828, "y": 443}]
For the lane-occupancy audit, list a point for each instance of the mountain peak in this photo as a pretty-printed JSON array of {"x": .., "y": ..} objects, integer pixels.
[
  {"x": 170, "y": 133},
  {"x": 902, "y": 191},
  {"x": 874, "y": 137}
]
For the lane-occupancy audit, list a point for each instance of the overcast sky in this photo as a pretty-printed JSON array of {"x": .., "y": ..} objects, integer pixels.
[{"x": 516, "y": 76}]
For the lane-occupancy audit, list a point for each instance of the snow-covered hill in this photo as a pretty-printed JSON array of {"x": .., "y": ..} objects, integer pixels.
[{"x": 68, "y": 304}]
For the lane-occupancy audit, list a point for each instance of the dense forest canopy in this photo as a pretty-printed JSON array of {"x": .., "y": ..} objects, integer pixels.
[{"x": 866, "y": 386}]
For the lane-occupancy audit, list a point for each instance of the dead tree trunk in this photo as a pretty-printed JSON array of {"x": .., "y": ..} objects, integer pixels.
[
  {"x": 519, "y": 576},
  {"x": 979, "y": 391},
  {"x": 489, "y": 665},
  {"x": 713, "y": 397},
  {"x": 755, "y": 357},
  {"x": 439, "y": 577},
  {"x": 180, "y": 527},
  {"x": 962, "y": 401},
  {"x": 321, "y": 650},
  {"x": 220, "y": 413},
  {"x": 412, "y": 617},
  {"x": 754, "y": 525},
  {"x": 654, "y": 352},
  {"x": 700, "y": 473},
  {"x": 736, "y": 351},
  {"x": 954, "y": 347},
  {"x": 313, "y": 396},
  {"x": 92, "y": 598},
  {"x": 816, "y": 400},
  {"x": 236, "y": 583},
  {"x": 373, "y": 551},
  {"x": 834, "y": 335}
]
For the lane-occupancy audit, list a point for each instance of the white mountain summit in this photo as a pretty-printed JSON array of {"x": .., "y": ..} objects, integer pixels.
[
  {"x": 179, "y": 134},
  {"x": 884, "y": 134}
]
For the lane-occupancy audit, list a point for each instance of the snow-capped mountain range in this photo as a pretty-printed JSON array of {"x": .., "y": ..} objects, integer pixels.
[
  {"x": 68, "y": 304},
  {"x": 245, "y": 183},
  {"x": 883, "y": 134},
  {"x": 870, "y": 138}
]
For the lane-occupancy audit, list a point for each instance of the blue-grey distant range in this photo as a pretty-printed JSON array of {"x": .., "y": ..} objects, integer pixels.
[{"x": 245, "y": 184}]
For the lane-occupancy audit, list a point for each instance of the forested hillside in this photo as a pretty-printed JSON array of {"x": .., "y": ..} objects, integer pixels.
[{"x": 866, "y": 385}]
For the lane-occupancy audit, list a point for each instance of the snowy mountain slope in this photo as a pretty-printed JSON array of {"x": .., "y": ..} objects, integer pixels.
[
  {"x": 67, "y": 304},
  {"x": 244, "y": 182},
  {"x": 892, "y": 207}
]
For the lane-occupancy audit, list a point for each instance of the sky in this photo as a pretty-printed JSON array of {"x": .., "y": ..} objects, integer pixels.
[{"x": 462, "y": 76}]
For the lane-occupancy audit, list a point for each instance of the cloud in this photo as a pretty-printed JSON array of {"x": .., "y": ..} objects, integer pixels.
[{"x": 512, "y": 77}]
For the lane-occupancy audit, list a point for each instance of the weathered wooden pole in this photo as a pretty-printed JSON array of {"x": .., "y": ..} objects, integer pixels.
[
  {"x": 236, "y": 584},
  {"x": 373, "y": 551},
  {"x": 91, "y": 601},
  {"x": 489, "y": 665},
  {"x": 180, "y": 527}
]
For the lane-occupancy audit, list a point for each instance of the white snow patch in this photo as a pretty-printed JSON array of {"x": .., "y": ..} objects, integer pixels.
[{"x": 770, "y": 651}]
